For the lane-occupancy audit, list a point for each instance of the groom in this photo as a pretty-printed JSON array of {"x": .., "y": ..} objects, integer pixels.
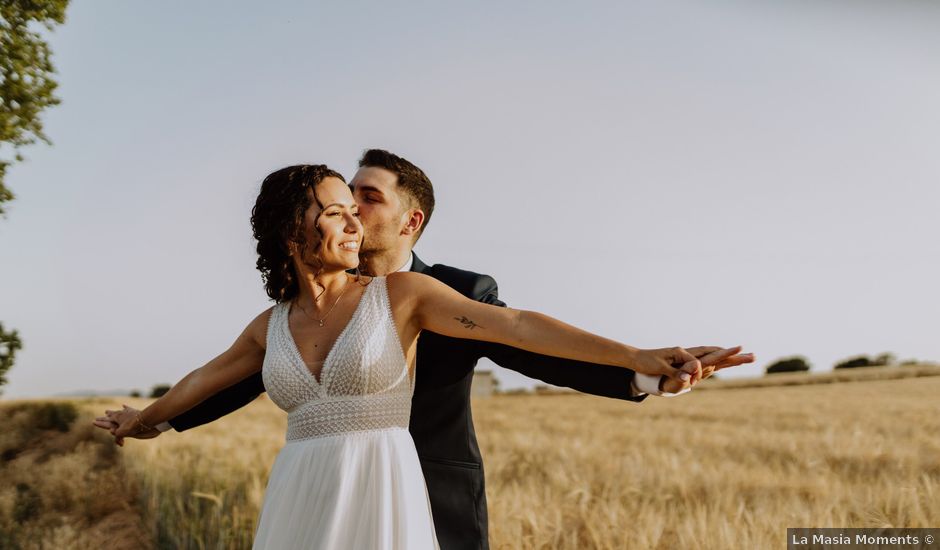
[{"x": 396, "y": 201}]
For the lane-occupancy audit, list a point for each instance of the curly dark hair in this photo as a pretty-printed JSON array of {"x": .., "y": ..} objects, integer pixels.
[
  {"x": 277, "y": 219},
  {"x": 411, "y": 179}
]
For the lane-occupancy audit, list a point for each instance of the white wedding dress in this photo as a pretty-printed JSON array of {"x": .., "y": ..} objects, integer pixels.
[{"x": 348, "y": 476}]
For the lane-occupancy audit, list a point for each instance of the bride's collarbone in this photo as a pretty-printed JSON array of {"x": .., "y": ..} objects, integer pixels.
[{"x": 314, "y": 341}]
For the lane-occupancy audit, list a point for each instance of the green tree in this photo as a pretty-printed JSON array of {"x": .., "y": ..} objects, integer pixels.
[
  {"x": 26, "y": 84},
  {"x": 26, "y": 90},
  {"x": 9, "y": 343},
  {"x": 790, "y": 364}
]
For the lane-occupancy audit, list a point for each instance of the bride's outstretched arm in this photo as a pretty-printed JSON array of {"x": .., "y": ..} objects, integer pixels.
[
  {"x": 241, "y": 360},
  {"x": 436, "y": 307}
]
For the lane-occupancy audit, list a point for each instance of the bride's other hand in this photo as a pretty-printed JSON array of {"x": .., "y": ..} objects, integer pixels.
[
  {"x": 719, "y": 359},
  {"x": 110, "y": 422},
  {"x": 105, "y": 423},
  {"x": 713, "y": 359},
  {"x": 126, "y": 423},
  {"x": 675, "y": 364}
]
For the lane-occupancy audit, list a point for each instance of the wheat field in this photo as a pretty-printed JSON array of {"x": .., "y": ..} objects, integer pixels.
[{"x": 731, "y": 468}]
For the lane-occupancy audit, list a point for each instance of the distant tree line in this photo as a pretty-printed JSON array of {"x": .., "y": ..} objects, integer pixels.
[
  {"x": 882, "y": 360},
  {"x": 800, "y": 364},
  {"x": 156, "y": 391}
]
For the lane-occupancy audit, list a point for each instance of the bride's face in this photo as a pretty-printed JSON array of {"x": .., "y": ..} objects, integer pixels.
[{"x": 340, "y": 234}]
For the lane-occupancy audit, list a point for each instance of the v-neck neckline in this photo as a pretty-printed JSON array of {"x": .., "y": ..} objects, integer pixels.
[{"x": 318, "y": 382}]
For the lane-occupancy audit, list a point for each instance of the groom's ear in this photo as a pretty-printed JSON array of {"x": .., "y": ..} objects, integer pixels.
[{"x": 414, "y": 220}]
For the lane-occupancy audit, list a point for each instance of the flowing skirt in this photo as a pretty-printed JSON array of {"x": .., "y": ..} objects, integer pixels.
[{"x": 347, "y": 491}]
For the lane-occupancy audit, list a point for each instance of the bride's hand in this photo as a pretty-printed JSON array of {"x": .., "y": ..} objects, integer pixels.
[{"x": 673, "y": 363}]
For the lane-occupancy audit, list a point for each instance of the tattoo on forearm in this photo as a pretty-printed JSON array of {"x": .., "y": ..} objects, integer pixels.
[{"x": 467, "y": 323}]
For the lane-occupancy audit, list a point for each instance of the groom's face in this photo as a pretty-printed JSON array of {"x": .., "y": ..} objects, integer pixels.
[{"x": 382, "y": 210}]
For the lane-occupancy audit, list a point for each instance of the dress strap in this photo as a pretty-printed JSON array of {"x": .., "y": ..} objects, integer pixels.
[
  {"x": 274, "y": 323},
  {"x": 386, "y": 303}
]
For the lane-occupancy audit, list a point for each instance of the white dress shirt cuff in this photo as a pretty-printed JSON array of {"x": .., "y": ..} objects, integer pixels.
[
  {"x": 649, "y": 383},
  {"x": 164, "y": 426}
]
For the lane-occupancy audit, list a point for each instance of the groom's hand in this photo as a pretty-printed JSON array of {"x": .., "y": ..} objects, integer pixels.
[{"x": 713, "y": 359}]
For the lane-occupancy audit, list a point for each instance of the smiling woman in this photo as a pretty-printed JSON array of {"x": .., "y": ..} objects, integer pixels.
[{"x": 280, "y": 224}]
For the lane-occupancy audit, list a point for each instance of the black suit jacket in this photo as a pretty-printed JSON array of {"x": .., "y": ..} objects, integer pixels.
[{"x": 441, "y": 422}]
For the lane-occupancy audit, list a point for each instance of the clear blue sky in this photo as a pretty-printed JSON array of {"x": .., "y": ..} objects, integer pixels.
[{"x": 662, "y": 172}]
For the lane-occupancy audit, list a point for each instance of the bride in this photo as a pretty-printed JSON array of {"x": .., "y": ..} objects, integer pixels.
[{"x": 337, "y": 352}]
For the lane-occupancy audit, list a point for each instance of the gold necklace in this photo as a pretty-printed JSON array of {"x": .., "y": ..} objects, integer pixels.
[{"x": 322, "y": 319}]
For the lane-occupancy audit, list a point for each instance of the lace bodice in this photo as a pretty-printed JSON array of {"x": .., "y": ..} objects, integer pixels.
[{"x": 364, "y": 382}]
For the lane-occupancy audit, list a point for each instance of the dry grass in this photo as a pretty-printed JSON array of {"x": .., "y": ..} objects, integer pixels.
[
  {"x": 717, "y": 469},
  {"x": 203, "y": 488},
  {"x": 63, "y": 485},
  {"x": 712, "y": 469}
]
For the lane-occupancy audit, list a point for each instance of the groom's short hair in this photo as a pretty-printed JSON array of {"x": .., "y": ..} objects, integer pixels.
[{"x": 411, "y": 179}]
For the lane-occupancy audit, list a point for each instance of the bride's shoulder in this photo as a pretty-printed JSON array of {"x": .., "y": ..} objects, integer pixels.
[
  {"x": 408, "y": 285},
  {"x": 263, "y": 318},
  {"x": 405, "y": 280},
  {"x": 257, "y": 329},
  {"x": 408, "y": 279}
]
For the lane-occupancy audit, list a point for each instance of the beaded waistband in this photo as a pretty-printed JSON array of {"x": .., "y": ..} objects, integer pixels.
[{"x": 353, "y": 414}]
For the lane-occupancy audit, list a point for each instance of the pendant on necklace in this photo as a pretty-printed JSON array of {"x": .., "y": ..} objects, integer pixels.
[{"x": 321, "y": 323}]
